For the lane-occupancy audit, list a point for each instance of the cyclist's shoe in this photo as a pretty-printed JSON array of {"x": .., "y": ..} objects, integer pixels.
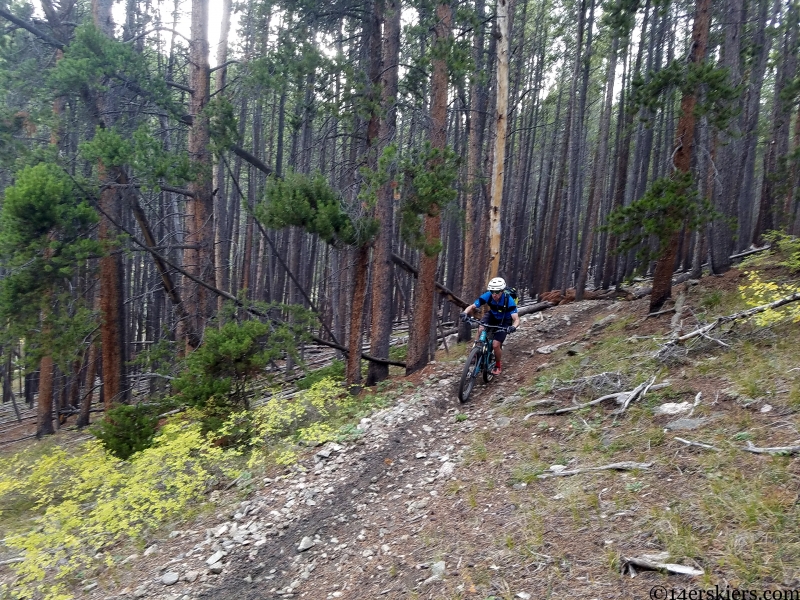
[{"x": 497, "y": 370}]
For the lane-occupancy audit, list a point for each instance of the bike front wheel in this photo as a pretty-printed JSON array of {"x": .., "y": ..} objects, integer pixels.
[{"x": 469, "y": 374}]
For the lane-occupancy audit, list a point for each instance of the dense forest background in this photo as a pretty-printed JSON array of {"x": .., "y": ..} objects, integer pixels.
[{"x": 370, "y": 161}]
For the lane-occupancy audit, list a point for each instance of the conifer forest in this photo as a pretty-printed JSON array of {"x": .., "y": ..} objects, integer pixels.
[{"x": 347, "y": 174}]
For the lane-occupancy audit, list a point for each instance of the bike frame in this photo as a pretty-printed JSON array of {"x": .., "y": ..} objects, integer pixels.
[{"x": 485, "y": 360}]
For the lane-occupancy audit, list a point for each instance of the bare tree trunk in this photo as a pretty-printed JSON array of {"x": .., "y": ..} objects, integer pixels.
[
  {"x": 359, "y": 294},
  {"x": 775, "y": 177},
  {"x": 111, "y": 301},
  {"x": 729, "y": 146},
  {"x": 504, "y": 8},
  {"x": 112, "y": 332},
  {"x": 751, "y": 121},
  {"x": 610, "y": 271}
]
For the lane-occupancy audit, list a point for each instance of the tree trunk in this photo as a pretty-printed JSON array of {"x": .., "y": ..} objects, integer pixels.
[
  {"x": 111, "y": 299},
  {"x": 199, "y": 258},
  {"x": 44, "y": 406},
  {"x": 751, "y": 122},
  {"x": 729, "y": 146},
  {"x": 112, "y": 306},
  {"x": 359, "y": 293},
  {"x": 382, "y": 267},
  {"x": 776, "y": 173},
  {"x": 221, "y": 213},
  {"x": 420, "y": 328},
  {"x": 597, "y": 187},
  {"x": 684, "y": 140},
  {"x": 86, "y": 403},
  {"x": 500, "y": 127},
  {"x": 472, "y": 272}
]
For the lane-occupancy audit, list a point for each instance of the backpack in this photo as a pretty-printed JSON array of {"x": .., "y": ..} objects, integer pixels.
[{"x": 509, "y": 291}]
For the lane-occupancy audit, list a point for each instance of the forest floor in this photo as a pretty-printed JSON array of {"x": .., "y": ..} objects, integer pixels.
[{"x": 438, "y": 499}]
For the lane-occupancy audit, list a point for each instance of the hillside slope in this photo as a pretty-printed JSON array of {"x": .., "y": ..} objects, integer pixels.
[{"x": 441, "y": 500}]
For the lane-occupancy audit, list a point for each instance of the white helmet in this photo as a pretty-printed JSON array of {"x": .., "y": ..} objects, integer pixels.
[{"x": 498, "y": 284}]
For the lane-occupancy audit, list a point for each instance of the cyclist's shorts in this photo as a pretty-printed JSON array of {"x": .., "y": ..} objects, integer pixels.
[{"x": 500, "y": 336}]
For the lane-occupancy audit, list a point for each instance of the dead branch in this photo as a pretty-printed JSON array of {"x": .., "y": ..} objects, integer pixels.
[
  {"x": 568, "y": 409},
  {"x": 660, "y": 312},
  {"x": 696, "y": 403},
  {"x": 639, "y": 392},
  {"x": 620, "y": 466},
  {"x": 745, "y": 314},
  {"x": 538, "y": 403},
  {"x": 749, "y": 252},
  {"x": 626, "y": 399},
  {"x": 777, "y": 450},
  {"x": 697, "y": 444},
  {"x": 651, "y": 565},
  {"x": 606, "y": 379}
]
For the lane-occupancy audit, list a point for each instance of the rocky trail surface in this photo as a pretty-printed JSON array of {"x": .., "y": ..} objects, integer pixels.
[{"x": 411, "y": 509}]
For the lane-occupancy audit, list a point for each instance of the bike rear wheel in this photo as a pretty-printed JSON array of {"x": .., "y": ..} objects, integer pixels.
[{"x": 469, "y": 374}]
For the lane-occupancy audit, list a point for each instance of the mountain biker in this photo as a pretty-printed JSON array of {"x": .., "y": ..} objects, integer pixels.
[{"x": 502, "y": 312}]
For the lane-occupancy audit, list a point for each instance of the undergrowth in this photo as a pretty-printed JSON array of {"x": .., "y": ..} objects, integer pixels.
[{"x": 70, "y": 511}]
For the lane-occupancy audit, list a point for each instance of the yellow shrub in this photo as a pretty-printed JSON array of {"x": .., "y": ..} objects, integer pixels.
[
  {"x": 90, "y": 500},
  {"x": 87, "y": 501},
  {"x": 757, "y": 292}
]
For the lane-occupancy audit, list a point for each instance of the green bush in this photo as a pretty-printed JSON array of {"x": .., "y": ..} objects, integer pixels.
[
  {"x": 128, "y": 429},
  {"x": 219, "y": 371}
]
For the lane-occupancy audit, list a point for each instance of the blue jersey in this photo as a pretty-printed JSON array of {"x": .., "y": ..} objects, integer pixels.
[{"x": 501, "y": 310}]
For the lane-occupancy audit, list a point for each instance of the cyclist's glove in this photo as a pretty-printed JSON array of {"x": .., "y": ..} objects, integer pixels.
[
  {"x": 464, "y": 317},
  {"x": 511, "y": 329}
]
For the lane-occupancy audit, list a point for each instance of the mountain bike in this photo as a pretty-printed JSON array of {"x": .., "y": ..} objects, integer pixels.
[{"x": 480, "y": 360}]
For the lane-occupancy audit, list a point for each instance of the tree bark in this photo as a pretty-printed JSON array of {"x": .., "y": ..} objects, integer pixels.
[
  {"x": 359, "y": 293},
  {"x": 776, "y": 173},
  {"x": 112, "y": 305}
]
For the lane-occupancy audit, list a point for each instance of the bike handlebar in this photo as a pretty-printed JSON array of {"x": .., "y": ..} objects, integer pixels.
[{"x": 485, "y": 325}]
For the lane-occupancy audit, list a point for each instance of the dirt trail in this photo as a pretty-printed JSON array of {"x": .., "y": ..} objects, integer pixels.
[{"x": 389, "y": 516}]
